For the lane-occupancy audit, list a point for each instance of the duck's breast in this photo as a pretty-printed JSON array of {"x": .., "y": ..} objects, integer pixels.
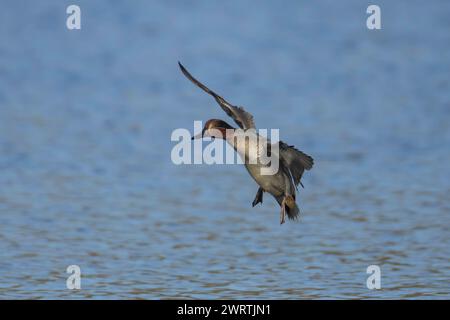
[{"x": 249, "y": 145}]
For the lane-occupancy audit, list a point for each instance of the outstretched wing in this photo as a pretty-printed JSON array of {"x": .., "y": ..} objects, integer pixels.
[
  {"x": 242, "y": 118},
  {"x": 296, "y": 161}
]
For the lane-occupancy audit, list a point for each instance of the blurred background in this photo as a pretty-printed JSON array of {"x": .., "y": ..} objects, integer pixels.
[{"x": 86, "y": 176}]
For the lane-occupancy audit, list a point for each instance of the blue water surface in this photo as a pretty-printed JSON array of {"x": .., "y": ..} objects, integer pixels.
[{"x": 86, "y": 176}]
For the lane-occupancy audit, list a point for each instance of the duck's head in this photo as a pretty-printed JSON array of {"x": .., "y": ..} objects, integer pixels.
[{"x": 214, "y": 128}]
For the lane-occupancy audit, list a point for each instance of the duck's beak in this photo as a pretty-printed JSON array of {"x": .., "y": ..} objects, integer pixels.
[{"x": 199, "y": 135}]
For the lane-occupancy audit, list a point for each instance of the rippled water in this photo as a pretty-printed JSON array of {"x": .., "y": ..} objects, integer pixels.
[{"x": 85, "y": 170}]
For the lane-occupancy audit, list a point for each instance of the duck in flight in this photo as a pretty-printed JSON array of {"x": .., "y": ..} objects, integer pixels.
[{"x": 283, "y": 183}]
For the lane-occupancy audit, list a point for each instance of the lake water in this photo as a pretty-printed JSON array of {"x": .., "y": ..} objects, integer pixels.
[{"x": 86, "y": 176}]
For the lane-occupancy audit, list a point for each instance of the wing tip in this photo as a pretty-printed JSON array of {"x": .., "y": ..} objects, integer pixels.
[
  {"x": 183, "y": 69},
  {"x": 308, "y": 161}
]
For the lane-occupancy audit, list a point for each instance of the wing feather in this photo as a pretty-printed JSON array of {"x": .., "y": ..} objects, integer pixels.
[
  {"x": 242, "y": 118},
  {"x": 296, "y": 160}
]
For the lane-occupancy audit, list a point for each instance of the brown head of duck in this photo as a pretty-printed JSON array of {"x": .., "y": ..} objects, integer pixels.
[{"x": 215, "y": 128}]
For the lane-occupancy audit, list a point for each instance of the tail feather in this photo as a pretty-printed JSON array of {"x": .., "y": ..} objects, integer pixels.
[{"x": 293, "y": 212}]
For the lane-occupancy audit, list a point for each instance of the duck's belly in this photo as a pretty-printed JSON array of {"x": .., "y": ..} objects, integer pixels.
[{"x": 274, "y": 184}]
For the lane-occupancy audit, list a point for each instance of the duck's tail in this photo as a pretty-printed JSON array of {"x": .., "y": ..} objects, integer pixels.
[{"x": 292, "y": 210}]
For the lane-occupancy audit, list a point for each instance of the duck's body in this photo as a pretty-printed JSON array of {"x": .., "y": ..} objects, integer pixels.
[{"x": 281, "y": 184}]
